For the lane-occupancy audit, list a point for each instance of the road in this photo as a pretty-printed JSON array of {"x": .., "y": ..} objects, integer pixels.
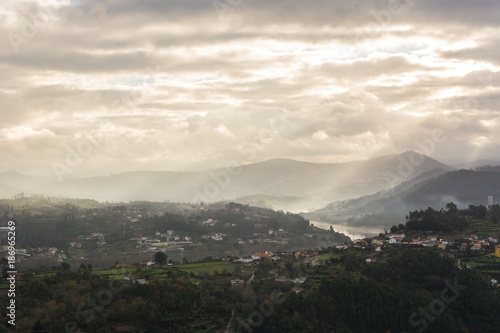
[{"x": 249, "y": 281}]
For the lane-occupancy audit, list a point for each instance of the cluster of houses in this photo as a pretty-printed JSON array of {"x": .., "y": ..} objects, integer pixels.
[
  {"x": 274, "y": 274},
  {"x": 208, "y": 223},
  {"x": 97, "y": 236},
  {"x": 217, "y": 236},
  {"x": 306, "y": 256},
  {"x": 473, "y": 242},
  {"x": 261, "y": 256},
  {"x": 170, "y": 244},
  {"x": 40, "y": 253}
]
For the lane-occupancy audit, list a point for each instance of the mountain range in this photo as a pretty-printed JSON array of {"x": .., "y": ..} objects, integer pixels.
[
  {"x": 388, "y": 185},
  {"x": 311, "y": 185}
]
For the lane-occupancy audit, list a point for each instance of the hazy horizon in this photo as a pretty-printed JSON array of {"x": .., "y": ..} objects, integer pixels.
[{"x": 195, "y": 170}]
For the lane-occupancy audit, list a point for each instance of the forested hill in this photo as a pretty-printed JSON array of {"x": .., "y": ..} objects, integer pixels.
[
  {"x": 463, "y": 187},
  {"x": 217, "y": 229}
]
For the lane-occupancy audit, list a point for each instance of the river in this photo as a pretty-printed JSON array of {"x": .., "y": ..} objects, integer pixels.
[{"x": 351, "y": 231}]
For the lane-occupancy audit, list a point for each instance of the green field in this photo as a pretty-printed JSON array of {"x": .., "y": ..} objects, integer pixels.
[
  {"x": 483, "y": 228},
  {"x": 490, "y": 265},
  {"x": 207, "y": 267},
  {"x": 117, "y": 272},
  {"x": 328, "y": 256}
]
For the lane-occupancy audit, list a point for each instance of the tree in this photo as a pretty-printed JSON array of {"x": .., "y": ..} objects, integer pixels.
[
  {"x": 451, "y": 208},
  {"x": 161, "y": 258},
  {"x": 38, "y": 326}
]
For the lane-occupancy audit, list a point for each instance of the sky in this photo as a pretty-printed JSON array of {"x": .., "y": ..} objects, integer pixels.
[{"x": 100, "y": 87}]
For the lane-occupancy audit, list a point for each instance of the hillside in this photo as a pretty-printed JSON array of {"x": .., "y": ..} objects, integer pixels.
[{"x": 462, "y": 187}]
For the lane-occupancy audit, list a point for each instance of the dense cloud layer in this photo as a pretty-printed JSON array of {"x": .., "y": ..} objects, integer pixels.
[{"x": 176, "y": 84}]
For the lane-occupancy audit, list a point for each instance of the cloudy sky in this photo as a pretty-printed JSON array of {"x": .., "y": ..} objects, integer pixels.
[{"x": 99, "y": 87}]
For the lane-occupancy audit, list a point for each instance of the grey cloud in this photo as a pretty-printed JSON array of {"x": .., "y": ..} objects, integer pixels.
[
  {"x": 487, "y": 50},
  {"x": 220, "y": 81}
]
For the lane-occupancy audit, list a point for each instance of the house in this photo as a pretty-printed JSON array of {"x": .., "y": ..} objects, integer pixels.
[
  {"x": 378, "y": 249},
  {"x": 463, "y": 247},
  {"x": 218, "y": 236},
  {"x": 264, "y": 256},
  {"x": 476, "y": 247},
  {"x": 482, "y": 242},
  {"x": 493, "y": 240},
  {"x": 360, "y": 242},
  {"x": 342, "y": 246},
  {"x": 441, "y": 246},
  {"x": 297, "y": 290},
  {"x": 282, "y": 279},
  {"x": 209, "y": 222},
  {"x": 497, "y": 251},
  {"x": 147, "y": 263},
  {"x": 246, "y": 260},
  {"x": 286, "y": 254},
  {"x": 378, "y": 241},
  {"x": 300, "y": 280},
  {"x": 237, "y": 283},
  {"x": 448, "y": 242},
  {"x": 122, "y": 266},
  {"x": 129, "y": 278}
]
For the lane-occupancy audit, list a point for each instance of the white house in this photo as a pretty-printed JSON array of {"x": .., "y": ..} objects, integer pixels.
[{"x": 246, "y": 260}]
